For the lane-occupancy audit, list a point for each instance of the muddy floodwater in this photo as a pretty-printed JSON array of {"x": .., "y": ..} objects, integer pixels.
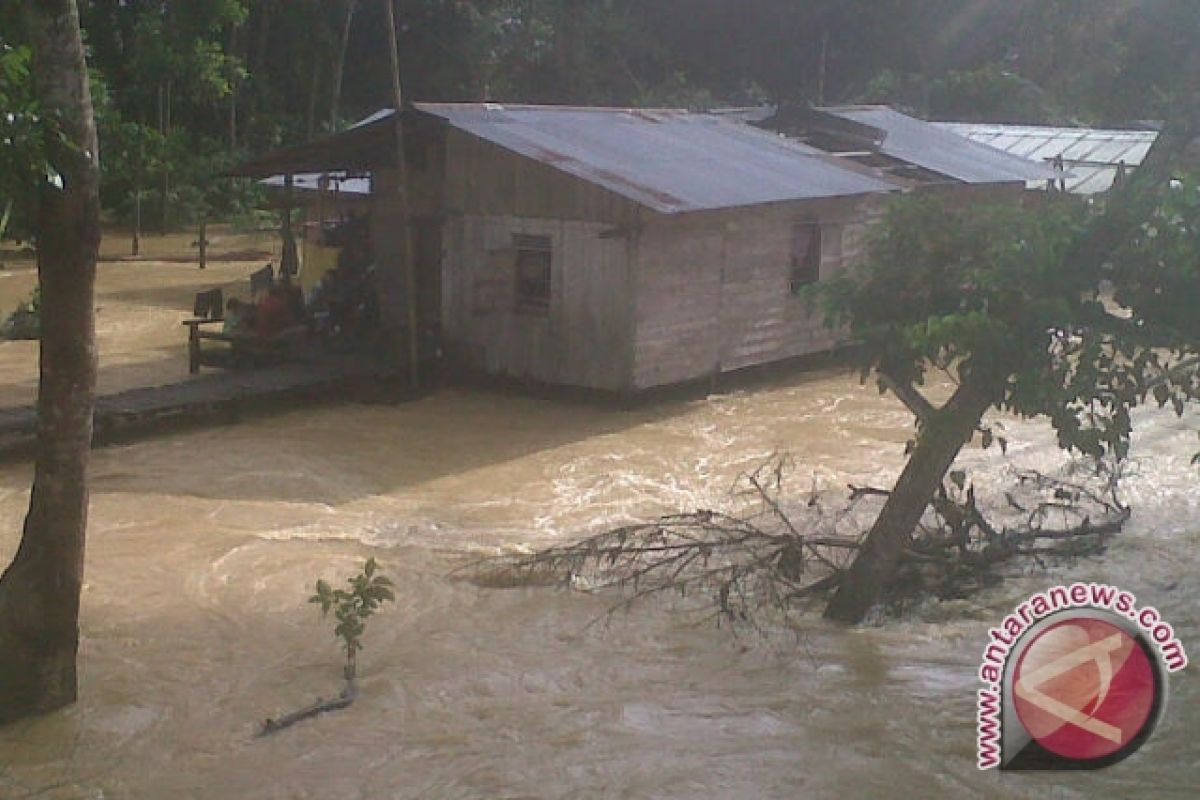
[{"x": 204, "y": 545}]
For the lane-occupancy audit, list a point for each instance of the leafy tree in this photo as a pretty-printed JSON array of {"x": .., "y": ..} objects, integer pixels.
[
  {"x": 1009, "y": 304},
  {"x": 20, "y": 145},
  {"x": 181, "y": 88}
]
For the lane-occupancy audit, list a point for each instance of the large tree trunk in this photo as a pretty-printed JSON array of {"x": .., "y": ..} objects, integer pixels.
[
  {"x": 941, "y": 439},
  {"x": 39, "y": 592}
]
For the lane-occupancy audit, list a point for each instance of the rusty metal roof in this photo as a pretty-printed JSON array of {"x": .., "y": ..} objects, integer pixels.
[
  {"x": 931, "y": 147},
  {"x": 1093, "y": 156},
  {"x": 670, "y": 161}
]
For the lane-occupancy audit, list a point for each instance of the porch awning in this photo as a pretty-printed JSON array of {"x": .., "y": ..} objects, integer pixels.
[{"x": 369, "y": 144}]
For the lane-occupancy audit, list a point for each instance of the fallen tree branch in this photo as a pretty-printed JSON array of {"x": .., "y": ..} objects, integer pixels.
[
  {"x": 321, "y": 706},
  {"x": 761, "y": 565}
]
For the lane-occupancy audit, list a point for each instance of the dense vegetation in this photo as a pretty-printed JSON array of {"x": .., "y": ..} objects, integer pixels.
[{"x": 183, "y": 89}]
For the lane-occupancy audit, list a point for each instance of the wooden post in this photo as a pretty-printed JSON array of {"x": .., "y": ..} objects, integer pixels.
[
  {"x": 8, "y": 207},
  {"x": 339, "y": 66},
  {"x": 408, "y": 261},
  {"x": 202, "y": 242},
  {"x": 322, "y": 192},
  {"x": 137, "y": 201},
  {"x": 821, "y": 74},
  {"x": 289, "y": 264}
]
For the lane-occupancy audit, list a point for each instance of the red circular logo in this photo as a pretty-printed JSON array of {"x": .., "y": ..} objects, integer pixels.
[{"x": 1085, "y": 689}]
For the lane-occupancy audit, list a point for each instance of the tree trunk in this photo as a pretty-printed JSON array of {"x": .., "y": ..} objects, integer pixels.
[
  {"x": 8, "y": 207},
  {"x": 233, "y": 91},
  {"x": 339, "y": 66},
  {"x": 941, "y": 439},
  {"x": 261, "y": 49},
  {"x": 39, "y": 592},
  {"x": 137, "y": 201},
  {"x": 314, "y": 86},
  {"x": 164, "y": 127}
]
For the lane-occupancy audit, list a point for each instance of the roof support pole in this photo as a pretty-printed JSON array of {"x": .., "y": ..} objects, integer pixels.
[
  {"x": 408, "y": 256},
  {"x": 289, "y": 261}
]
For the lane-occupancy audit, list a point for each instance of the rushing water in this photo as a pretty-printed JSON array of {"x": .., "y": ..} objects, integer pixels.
[{"x": 203, "y": 547}]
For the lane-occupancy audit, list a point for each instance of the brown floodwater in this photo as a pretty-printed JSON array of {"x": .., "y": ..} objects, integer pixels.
[{"x": 204, "y": 545}]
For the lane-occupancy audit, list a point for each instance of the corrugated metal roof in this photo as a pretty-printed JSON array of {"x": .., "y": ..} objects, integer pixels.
[
  {"x": 929, "y": 146},
  {"x": 670, "y": 161},
  {"x": 382, "y": 113},
  {"x": 311, "y": 182},
  {"x": 1090, "y": 154}
]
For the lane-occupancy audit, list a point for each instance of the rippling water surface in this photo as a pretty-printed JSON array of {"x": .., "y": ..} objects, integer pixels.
[{"x": 203, "y": 547}]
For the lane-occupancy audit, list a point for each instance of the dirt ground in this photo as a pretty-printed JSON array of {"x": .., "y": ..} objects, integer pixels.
[{"x": 139, "y": 305}]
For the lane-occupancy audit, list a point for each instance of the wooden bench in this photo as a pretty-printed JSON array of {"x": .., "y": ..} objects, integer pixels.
[
  {"x": 244, "y": 350},
  {"x": 241, "y": 350},
  {"x": 208, "y": 309}
]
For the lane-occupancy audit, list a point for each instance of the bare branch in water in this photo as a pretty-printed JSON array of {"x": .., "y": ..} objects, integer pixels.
[
  {"x": 756, "y": 566},
  {"x": 321, "y": 706}
]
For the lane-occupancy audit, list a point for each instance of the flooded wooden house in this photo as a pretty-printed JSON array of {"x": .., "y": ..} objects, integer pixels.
[{"x": 611, "y": 249}]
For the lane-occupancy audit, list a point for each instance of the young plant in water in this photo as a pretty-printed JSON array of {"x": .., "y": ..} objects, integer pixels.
[{"x": 351, "y": 609}]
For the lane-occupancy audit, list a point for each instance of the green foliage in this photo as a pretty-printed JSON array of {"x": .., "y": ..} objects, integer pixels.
[
  {"x": 352, "y": 608},
  {"x": 1157, "y": 272},
  {"x": 184, "y": 90},
  {"x": 941, "y": 287},
  {"x": 22, "y": 158},
  {"x": 993, "y": 296},
  {"x": 990, "y": 92}
]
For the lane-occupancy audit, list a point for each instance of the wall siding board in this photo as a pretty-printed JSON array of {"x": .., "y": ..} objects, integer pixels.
[
  {"x": 582, "y": 340},
  {"x": 485, "y": 179},
  {"x": 714, "y": 293}
]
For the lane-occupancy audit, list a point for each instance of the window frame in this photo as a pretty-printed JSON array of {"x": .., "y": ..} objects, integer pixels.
[
  {"x": 533, "y": 253},
  {"x": 805, "y": 269}
]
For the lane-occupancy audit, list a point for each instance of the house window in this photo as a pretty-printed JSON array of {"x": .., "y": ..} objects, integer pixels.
[
  {"x": 533, "y": 273},
  {"x": 806, "y": 256}
]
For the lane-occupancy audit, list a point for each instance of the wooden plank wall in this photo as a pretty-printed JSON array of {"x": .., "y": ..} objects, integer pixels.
[
  {"x": 426, "y": 170},
  {"x": 585, "y": 339},
  {"x": 677, "y": 295},
  {"x": 485, "y": 179},
  {"x": 713, "y": 292},
  {"x": 639, "y": 299}
]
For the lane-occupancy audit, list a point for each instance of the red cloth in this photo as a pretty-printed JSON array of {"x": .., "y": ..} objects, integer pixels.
[{"x": 273, "y": 317}]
